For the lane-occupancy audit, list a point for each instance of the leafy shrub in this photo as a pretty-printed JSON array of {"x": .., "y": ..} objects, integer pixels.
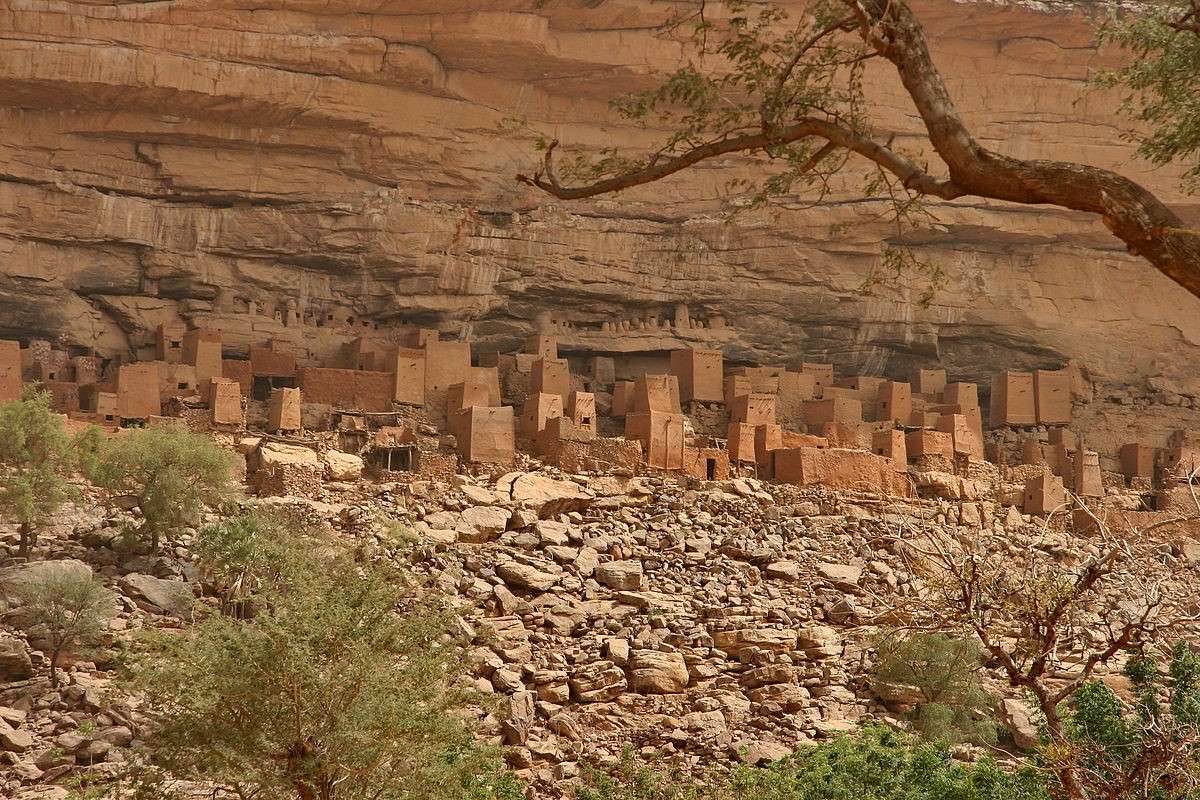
[
  {"x": 70, "y": 608},
  {"x": 877, "y": 763},
  {"x": 1137, "y": 749},
  {"x": 945, "y": 672},
  {"x": 246, "y": 555}
]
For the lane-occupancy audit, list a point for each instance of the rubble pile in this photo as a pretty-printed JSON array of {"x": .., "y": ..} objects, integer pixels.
[{"x": 716, "y": 623}]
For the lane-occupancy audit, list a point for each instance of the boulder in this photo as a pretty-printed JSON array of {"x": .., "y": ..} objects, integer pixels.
[
  {"x": 174, "y": 598},
  {"x": 548, "y": 496},
  {"x": 92, "y": 751},
  {"x": 586, "y": 562},
  {"x": 772, "y": 639},
  {"x": 760, "y": 752},
  {"x": 783, "y": 570},
  {"x": 1188, "y": 550},
  {"x": 654, "y": 672},
  {"x": 15, "y": 740},
  {"x": 118, "y": 735},
  {"x": 551, "y": 532},
  {"x": 520, "y": 718},
  {"x": 768, "y": 674},
  {"x": 15, "y": 664},
  {"x": 898, "y": 697},
  {"x": 13, "y": 579},
  {"x": 276, "y": 454},
  {"x": 597, "y": 682},
  {"x": 525, "y": 576},
  {"x": 621, "y": 575},
  {"x": 819, "y": 641},
  {"x": 479, "y": 524},
  {"x": 341, "y": 466},
  {"x": 443, "y": 520},
  {"x": 706, "y": 725},
  {"x": 840, "y": 573},
  {"x": 478, "y": 495},
  {"x": 1019, "y": 720}
]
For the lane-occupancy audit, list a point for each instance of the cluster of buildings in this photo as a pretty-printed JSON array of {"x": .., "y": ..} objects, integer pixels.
[{"x": 413, "y": 402}]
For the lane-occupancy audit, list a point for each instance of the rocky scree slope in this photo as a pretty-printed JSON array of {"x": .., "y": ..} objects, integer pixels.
[{"x": 715, "y": 624}]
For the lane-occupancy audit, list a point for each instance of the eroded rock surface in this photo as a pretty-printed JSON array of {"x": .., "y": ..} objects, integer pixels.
[{"x": 164, "y": 162}]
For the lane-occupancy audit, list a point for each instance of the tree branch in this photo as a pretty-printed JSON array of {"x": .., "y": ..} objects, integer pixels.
[
  {"x": 1129, "y": 211},
  {"x": 889, "y": 29},
  {"x": 911, "y": 176}
]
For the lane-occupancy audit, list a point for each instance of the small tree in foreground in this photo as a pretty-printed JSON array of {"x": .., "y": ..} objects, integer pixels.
[
  {"x": 169, "y": 474},
  {"x": 39, "y": 457},
  {"x": 945, "y": 671},
  {"x": 326, "y": 694},
  {"x": 70, "y": 607}
]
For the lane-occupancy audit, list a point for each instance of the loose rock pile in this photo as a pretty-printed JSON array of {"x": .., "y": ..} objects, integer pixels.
[{"x": 724, "y": 623}]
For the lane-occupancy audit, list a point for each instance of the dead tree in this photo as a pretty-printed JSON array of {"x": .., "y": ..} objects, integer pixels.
[{"x": 1050, "y": 627}]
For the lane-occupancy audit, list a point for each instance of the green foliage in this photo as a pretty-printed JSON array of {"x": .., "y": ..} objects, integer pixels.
[
  {"x": 327, "y": 692},
  {"x": 753, "y": 71},
  {"x": 246, "y": 556},
  {"x": 1162, "y": 81},
  {"x": 1141, "y": 748},
  {"x": 169, "y": 474},
  {"x": 773, "y": 69},
  {"x": 39, "y": 457},
  {"x": 876, "y": 763},
  {"x": 69, "y": 609},
  {"x": 945, "y": 671}
]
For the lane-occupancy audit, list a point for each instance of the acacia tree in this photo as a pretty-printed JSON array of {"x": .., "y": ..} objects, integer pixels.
[
  {"x": 945, "y": 672},
  {"x": 790, "y": 89},
  {"x": 38, "y": 457},
  {"x": 69, "y": 608},
  {"x": 342, "y": 687},
  {"x": 168, "y": 474},
  {"x": 1162, "y": 81}
]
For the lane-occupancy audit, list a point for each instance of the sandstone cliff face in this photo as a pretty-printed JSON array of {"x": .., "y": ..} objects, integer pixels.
[{"x": 196, "y": 159}]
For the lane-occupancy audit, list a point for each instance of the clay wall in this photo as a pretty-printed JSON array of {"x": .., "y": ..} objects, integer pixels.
[
  {"x": 753, "y": 409},
  {"x": 836, "y": 409},
  {"x": 10, "y": 370},
  {"x": 658, "y": 393},
  {"x": 202, "y": 349},
  {"x": 894, "y": 402},
  {"x": 168, "y": 342},
  {"x": 238, "y": 370},
  {"x": 407, "y": 365},
  {"x": 224, "y": 397},
  {"x": 700, "y": 373},
  {"x": 138, "y": 391},
  {"x": 1012, "y": 400},
  {"x": 283, "y": 410},
  {"x": 267, "y": 362},
  {"x": 661, "y": 435},
  {"x": 488, "y": 435},
  {"x": 1052, "y": 397}
]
